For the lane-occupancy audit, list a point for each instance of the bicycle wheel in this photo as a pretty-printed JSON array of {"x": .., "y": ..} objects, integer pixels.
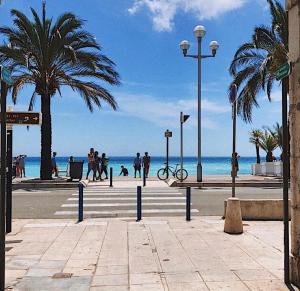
[
  {"x": 184, "y": 174},
  {"x": 162, "y": 174}
]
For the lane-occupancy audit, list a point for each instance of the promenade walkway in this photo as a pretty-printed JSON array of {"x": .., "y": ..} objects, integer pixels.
[{"x": 154, "y": 254}]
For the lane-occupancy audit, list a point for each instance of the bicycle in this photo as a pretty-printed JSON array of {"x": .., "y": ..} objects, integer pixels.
[{"x": 162, "y": 173}]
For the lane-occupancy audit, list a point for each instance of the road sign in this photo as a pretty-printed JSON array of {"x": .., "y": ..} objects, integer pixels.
[
  {"x": 283, "y": 71},
  {"x": 23, "y": 118},
  {"x": 6, "y": 75},
  {"x": 168, "y": 133}
]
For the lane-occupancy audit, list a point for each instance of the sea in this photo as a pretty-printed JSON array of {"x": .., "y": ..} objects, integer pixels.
[{"x": 210, "y": 165}]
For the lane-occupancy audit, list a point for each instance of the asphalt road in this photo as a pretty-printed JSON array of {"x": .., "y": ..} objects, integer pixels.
[{"x": 209, "y": 201}]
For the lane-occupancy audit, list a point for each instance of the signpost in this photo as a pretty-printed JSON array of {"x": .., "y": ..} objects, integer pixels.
[
  {"x": 23, "y": 118},
  {"x": 5, "y": 80},
  {"x": 168, "y": 134},
  {"x": 283, "y": 71},
  {"x": 183, "y": 119},
  {"x": 282, "y": 74},
  {"x": 233, "y": 100}
]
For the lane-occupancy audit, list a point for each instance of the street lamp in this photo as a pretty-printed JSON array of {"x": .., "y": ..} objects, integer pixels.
[{"x": 199, "y": 32}]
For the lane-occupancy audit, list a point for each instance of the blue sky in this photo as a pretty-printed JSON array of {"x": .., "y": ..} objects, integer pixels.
[{"x": 142, "y": 37}]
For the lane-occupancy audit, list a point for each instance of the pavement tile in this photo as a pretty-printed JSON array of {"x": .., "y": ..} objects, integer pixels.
[
  {"x": 147, "y": 287},
  {"x": 112, "y": 270},
  {"x": 15, "y": 273},
  {"x": 110, "y": 280},
  {"x": 195, "y": 286},
  {"x": 250, "y": 275},
  {"x": 49, "y": 284},
  {"x": 182, "y": 277},
  {"x": 228, "y": 286},
  {"x": 42, "y": 272},
  {"x": 29, "y": 248},
  {"x": 48, "y": 264},
  {"x": 218, "y": 275},
  {"x": 146, "y": 278},
  {"x": 110, "y": 288},
  {"x": 16, "y": 263},
  {"x": 89, "y": 271},
  {"x": 278, "y": 273},
  {"x": 82, "y": 263},
  {"x": 272, "y": 285}
]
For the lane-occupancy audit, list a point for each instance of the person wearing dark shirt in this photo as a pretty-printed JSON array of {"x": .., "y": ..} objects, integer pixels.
[
  {"x": 124, "y": 171},
  {"x": 146, "y": 164},
  {"x": 54, "y": 165},
  {"x": 96, "y": 169}
]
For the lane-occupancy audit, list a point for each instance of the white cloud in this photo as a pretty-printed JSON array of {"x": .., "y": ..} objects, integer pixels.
[
  {"x": 166, "y": 113},
  {"x": 163, "y": 11}
]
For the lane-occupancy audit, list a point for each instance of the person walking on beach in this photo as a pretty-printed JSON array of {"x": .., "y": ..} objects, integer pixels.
[
  {"x": 91, "y": 161},
  {"x": 146, "y": 164},
  {"x": 137, "y": 163},
  {"x": 124, "y": 171},
  {"x": 104, "y": 164},
  {"x": 22, "y": 165},
  {"x": 97, "y": 167},
  {"x": 54, "y": 165}
]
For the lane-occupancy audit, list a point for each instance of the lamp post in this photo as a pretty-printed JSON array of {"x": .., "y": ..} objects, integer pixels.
[
  {"x": 199, "y": 32},
  {"x": 233, "y": 100}
]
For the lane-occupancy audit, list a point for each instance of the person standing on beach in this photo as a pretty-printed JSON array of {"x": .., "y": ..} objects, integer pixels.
[
  {"x": 137, "y": 163},
  {"x": 54, "y": 165},
  {"x": 91, "y": 161},
  {"x": 104, "y": 164},
  {"x": 22, "y": 165},
  {"x": 146, "y": 164},
  {"x": 235, "y": 159}
]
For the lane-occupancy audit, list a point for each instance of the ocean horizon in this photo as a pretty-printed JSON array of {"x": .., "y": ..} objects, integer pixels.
[{"x": 211, "y": 165}]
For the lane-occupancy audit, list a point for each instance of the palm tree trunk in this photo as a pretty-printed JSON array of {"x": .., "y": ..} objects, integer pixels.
[
  {"x": 46, "y": 138},
  {"x": 294, "y": 94},
  {"x": 257, "y": 154}
]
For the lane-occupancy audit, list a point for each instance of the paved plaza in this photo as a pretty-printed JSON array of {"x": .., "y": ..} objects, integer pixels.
[{"x": 154, "y": 254}]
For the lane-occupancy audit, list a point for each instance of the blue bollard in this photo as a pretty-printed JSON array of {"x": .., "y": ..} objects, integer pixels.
[
  {"x": 80, "y": 202},
  {"x": 110, "y": 177},
  {"x": 188, "y": 203},
  {"x": 139, "y": 203}
]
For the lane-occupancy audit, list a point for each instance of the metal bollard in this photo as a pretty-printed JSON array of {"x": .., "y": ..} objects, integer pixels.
[
  {"x": 139, "y": 203},
  {"x": 110, "y": 177},
  {"x": 80, "y": 202},
  {"x": 144, "y": 177},
  {"x": 188, "y": 203}
]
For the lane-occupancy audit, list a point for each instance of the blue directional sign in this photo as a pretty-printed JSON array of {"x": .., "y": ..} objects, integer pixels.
[{"x": 6, "y": 75}]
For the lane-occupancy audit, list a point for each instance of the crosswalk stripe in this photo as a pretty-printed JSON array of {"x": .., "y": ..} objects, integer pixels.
[
  {"x": 120, "y": 212},
  {"x": 126, "y": 198},
  {"x": 124, "y": 204},
  {"x": 125, "y": 194}
]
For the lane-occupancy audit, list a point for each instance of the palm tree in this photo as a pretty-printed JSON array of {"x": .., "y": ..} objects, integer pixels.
[
  {"x": 50, "y": 55},
  {"x": 255, "y": 62},
  {"x": 268, "y": 143},
  {"x": 276, "y": 132},
  {"x": 255, "y": 135}
]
